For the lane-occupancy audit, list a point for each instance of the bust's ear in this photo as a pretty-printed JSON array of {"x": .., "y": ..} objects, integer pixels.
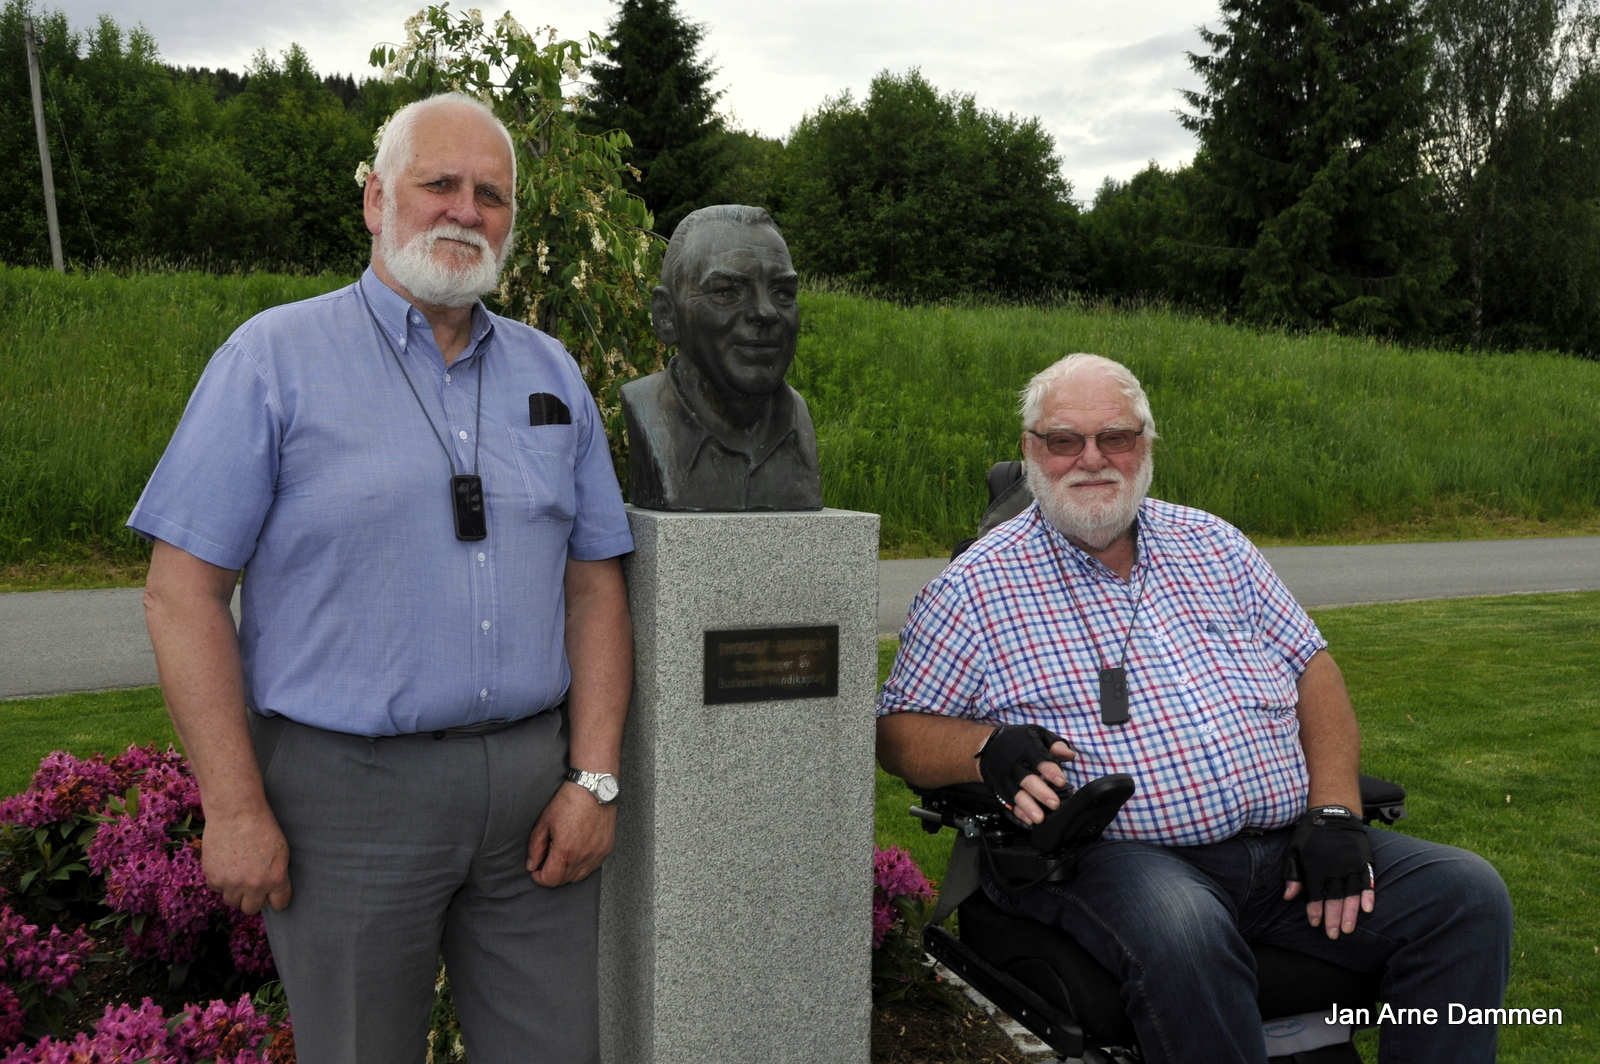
[{"x": 664, "y": 316}]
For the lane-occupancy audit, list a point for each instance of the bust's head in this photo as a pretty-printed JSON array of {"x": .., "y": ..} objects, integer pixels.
[{"x": 727, "y": 300}]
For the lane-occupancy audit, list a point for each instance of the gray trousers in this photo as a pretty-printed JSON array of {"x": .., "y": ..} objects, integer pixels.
[{"x": 407, "y": 848}]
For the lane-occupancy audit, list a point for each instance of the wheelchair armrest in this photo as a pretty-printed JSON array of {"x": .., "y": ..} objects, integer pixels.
[
  {"x": 942, "y": 805},
  {"x": 1382, "y": 800}
]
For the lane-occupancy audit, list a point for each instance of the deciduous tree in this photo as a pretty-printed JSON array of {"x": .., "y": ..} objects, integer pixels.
[{"x": 926, "y": 193}]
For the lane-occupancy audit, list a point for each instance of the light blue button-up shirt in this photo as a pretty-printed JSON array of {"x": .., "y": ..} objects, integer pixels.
[{"x": 304, "y": 459}]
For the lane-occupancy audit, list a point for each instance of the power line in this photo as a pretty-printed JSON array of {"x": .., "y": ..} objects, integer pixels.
[{"x": 66, "y": 142}]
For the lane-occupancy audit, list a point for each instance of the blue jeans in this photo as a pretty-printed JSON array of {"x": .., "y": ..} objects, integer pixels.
[{"x": 1173, "y": 923}]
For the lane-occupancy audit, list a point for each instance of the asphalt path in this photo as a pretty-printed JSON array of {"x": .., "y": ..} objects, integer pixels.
[
  {"x": 1348, "y": 576},
  {"x": 52, "y": 642}
]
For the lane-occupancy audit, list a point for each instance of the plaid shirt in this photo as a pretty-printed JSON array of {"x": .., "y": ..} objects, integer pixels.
[{"x": 1213, "y": 741}]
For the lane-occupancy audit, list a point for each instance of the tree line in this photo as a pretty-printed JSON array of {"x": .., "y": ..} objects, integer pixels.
[{"x": 1421, "y": 169}]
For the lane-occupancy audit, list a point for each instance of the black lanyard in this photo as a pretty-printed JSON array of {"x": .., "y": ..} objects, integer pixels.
[
  {"x": 466, "y": 489},
  {"x": 1113, "y": 680}
]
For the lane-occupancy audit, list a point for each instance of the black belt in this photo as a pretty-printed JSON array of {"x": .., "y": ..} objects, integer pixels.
[
  {"x": 489, "y": 727},
  {"x": 483, "y": 727}
]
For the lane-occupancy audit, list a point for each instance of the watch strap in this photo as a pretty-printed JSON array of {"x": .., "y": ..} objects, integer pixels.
[{"x": 590, "y": 781}]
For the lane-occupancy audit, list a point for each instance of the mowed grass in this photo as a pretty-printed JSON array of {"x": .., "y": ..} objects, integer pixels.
[
  {"x": 1289, "y": 437},
  {"x": 1293, "y": 438},
  {"x": 83, "y": 724},
  {"x": 1488, "y": 712}
]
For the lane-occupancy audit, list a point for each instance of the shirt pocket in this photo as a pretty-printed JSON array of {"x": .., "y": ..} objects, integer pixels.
[
  {"x": 1257, "y": 678},
  {"x": 544, "y": 457}
]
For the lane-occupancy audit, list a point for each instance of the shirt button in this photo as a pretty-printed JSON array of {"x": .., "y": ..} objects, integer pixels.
[
  {"x": 485, "y": 626},
  {"x": 447, "y": 378},
  {"x": 483, "y": 693},
  {"x": 462, "y": 434},
  {"x": 482, "y": 556}
]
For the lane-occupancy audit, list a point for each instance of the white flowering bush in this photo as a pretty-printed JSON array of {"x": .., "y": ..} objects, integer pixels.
[{"x": 585, "y": 258}]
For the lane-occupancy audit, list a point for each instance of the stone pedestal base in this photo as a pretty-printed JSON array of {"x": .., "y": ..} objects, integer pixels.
[{"x": 736, "y": 910}]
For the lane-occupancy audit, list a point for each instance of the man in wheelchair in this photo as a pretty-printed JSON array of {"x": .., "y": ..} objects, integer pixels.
[{"x": 1103, "y": 632}]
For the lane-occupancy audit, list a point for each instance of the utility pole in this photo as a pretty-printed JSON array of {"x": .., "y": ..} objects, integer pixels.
[{"x": 44, "y": 147}]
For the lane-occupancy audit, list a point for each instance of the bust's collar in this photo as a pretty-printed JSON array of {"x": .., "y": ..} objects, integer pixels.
[{"x": 774, "y": 426}]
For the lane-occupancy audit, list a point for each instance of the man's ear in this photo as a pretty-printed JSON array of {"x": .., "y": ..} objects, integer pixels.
[
  {"x": 664, "y": 316},
  {"x": 372, "y": 204}
]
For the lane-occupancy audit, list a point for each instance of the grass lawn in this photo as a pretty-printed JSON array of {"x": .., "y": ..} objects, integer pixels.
[
  {"x": 105, "y": 721},
  {"x": 1488, "y": 711}
]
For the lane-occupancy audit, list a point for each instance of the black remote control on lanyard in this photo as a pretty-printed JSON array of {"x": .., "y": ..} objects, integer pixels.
[
  {"x": 466, "y": 491},
  {"x": 1113, "y": 678},
  {"x": 1114, "y": 695}
]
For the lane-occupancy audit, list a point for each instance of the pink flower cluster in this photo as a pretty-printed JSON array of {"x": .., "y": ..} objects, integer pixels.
[
  {"x": 148, "y": 872},
  {"x": 219, "y": 1032},
  {"x": 49, "y": 961},
  {"x": 12, "y": 1017},
  {"x": 63, "y": 787},
  {"x": 152, "y": 868},
  {"x": 66, "y": 786},
  {"x": 894, "y": 875}
]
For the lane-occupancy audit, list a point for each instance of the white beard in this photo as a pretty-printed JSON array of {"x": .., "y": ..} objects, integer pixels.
[
  {"x": 431, "y": 281},
  {"x": 1097, "y": 524}
]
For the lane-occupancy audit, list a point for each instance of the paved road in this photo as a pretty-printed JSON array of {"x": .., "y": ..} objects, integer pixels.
[
  {"x": 1346, "y": 576},
  {"x": 56, "y": 641},
  {"x": 52, "y": 642}
]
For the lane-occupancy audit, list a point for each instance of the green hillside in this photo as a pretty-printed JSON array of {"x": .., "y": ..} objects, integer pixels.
[{"x": 1313, "y": 436}]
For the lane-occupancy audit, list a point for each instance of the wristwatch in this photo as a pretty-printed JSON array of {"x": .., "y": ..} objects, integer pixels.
[{"x": 603, "y": 785}]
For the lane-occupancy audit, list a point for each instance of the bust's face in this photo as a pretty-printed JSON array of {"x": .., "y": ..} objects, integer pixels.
[{"x": 734, "y": 307}]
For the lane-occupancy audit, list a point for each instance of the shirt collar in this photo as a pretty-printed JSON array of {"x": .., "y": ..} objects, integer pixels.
[
  {"x": 778, "y": 422},
  {"x": 394, "y": 313},
  {"x": 1147, "y": 528}
]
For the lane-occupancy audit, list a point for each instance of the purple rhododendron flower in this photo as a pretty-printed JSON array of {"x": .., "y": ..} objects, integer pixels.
[
  {"x": 894, "y": 875},
  {"x": 51, "y": 961},
  {"x": 247, "y": 941},
  {"x": 11, "y": 1018},
  {"x": 219, "y": 1033},
  {"x": 148, "y": 872},
  {"x": 63, "y": 787},
  {"x": 884, "y": 914}
]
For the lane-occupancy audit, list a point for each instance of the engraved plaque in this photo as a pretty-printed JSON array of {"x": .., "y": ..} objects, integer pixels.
[{"x": 766, "y": 664}]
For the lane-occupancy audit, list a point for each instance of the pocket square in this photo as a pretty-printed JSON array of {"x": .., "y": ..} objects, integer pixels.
[{"x": 547, "y": 409}]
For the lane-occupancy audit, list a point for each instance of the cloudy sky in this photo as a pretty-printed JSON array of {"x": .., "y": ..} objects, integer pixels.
[{"x": 1103, "y": 75}]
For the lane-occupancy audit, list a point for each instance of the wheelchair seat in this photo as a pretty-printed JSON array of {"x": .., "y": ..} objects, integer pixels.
[{"x": 1051, "y": 985}]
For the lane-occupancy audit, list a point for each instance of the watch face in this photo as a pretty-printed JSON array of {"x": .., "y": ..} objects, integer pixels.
[{"x": 606, "y": 788}]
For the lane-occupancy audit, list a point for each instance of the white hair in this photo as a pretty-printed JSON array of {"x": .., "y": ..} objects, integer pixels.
[
  {"x": 1032, "y": 397},
  {"x": 394, "y": 147}
]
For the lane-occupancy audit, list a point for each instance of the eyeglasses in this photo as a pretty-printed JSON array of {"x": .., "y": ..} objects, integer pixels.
[{"x": 1070, "y": 444}]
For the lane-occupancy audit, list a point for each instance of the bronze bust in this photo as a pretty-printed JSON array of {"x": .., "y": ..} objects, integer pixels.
[{"x": 719, "y": 428}]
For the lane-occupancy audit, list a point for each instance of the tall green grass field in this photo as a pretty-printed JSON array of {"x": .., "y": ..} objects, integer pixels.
[{"x": 1285, "y": 436}]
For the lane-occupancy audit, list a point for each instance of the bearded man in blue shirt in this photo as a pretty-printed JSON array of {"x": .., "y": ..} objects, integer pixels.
[
  {"x": 408, "y": 749},
  {"x": 1101, "y": 631}
]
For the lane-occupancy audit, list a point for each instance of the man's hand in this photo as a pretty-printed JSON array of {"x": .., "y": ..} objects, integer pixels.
[
  {"x": 1330, "y": 855},
  {"x": 573, "y": 837},
  {"x": 246, "y": 860},
  {"x": 1022, "y": 760}
]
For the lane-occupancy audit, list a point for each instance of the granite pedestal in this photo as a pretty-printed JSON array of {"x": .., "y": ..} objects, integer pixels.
[{"x": 736, "y": 909}]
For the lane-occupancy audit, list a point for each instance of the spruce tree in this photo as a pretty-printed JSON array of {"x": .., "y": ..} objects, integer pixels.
[
  {"x": 655, "y": 87},
  {"x": 1311, "y": 204}
]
